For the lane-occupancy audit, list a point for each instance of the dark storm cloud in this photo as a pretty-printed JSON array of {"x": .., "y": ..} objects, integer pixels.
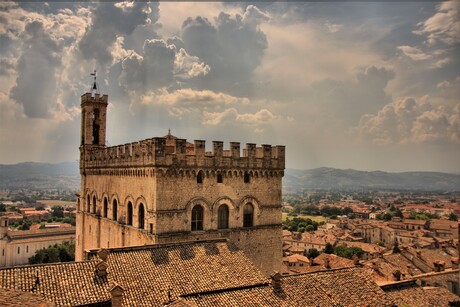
[
  {"x": 109, "y": 21},
  {"x": 233, "y": 48},
  {"x": 35, "y": 87},
  {"x": 152, "y": 70}
]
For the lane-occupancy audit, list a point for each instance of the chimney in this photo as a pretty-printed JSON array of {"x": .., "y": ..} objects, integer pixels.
[
  {"x": 397, "y": 275},
  {"x": 276, "y": 282},
  {"x": 454, "y": 263},
  {"x": 103, "y": 254},
  {"x": 327, "y": 263},
  {"x": 101, "y": 268},
  {"x": 355, "y": 260},
  {"x": 439, "y": 266},
  {"x": 117, "y": 295},
  {"x": 375, "y": 266}
]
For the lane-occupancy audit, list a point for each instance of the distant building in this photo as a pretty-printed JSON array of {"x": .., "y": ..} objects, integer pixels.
[{"x": 16, "y": 247}]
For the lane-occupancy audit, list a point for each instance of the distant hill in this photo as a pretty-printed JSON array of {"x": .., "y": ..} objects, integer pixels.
[
  {"x": 64, "y": 175},
  {"x": 325, "y": 178}
]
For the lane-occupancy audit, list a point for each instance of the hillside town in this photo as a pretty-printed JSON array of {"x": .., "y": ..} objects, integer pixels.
[{"x": 399, "y": 238}]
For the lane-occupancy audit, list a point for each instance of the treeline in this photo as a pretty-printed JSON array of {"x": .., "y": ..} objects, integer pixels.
[
  {"x": 64, "y": 252},
  {"x": 310, "y": 209},
  {"x": 299, "y": 224}
]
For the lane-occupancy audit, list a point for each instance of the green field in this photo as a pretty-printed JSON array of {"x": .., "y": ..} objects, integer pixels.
[{"x": 312, "y": 217}]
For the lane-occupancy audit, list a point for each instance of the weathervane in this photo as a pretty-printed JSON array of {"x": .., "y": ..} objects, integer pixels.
[{"x": 94, "y": 87}]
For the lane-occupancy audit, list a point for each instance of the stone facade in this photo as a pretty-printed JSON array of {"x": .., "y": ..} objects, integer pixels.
[
  {"x": 16, "y": 247},
  {"x": 166, "y": 190}
]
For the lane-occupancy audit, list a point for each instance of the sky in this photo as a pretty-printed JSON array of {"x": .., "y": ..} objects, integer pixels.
[{"x": 361, "y": 85}]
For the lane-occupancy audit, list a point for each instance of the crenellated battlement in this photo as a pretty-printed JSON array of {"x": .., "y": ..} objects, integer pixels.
[
  {"x": 166, "y": 151},
  {"x": 96, "y": 98}
]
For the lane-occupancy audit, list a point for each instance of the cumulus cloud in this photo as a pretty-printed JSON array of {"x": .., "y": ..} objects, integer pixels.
[
  {"x": 231, "y": 115},
  {"x": 232, "y": 46},
  {"x": 443, "y": 26},
  {"x": 109, "y": 21},
  {"x": 187, "y": 66},
  {"x": 152, "y": 70},
  {"x": 35, "y": 87},
  {"x": 407, "y": 121}
]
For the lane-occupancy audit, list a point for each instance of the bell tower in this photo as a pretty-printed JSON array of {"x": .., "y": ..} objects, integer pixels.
[{"x": 93, "y": 117}]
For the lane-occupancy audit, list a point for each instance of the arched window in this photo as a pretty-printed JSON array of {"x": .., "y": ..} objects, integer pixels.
[
  {"x": 199, "y": 177},
  {"x": 246, "y": 178},
  {"x": 96, "y": 126},
  {"x": 129, "y": 218},
  {"x": 197, "y": 218},
  {"x": 222, "y": 217},
  {"x": 106, "y": 207},
  {"x": 220, "y": 179},
  {"x": 248, "y": 215},
  {"x": 88, "y": 204},
  {"x": 141, "y": 216},
  {"x": 94, "y": 204},
  {"x": 114, "y": 209}
]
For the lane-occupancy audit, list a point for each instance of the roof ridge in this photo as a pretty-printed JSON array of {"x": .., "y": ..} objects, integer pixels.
[{"x": 158, "y": 245}]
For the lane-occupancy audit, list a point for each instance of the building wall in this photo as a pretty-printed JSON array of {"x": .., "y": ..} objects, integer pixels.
[
  {"x": 161, "y": 174},
  {"x": 18, "y": 252},
  {"x": 168, "y": 209}
]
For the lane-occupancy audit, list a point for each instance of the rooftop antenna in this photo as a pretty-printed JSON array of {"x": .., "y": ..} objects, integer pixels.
[{"x": 94, "y": 86}]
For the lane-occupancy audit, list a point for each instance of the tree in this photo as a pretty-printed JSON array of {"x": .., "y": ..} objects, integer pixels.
[
  {"x": 312, "y": 253},
  {"x": 329, "y": 249},
  {"x": 40, "y": 207},
  {"x": 26, "y": 223},
  {"x": 348, "y": 252},
  {"x": 57, "y": 211},
  {"x": 453, "y": 217},
  {"x": 64, "y": 252}
]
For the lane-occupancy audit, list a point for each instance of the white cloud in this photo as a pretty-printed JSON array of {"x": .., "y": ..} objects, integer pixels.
[
  {"x": 188, "y": 98},
  {"x": 231, "y": 116},
  {"x": 187, "y": 66},
  {"x": 406, "y": 121},
  {"x": 333, "y": 28},
  {"x": 414, "y": 53},
  {"x": 443, "y": 26}
]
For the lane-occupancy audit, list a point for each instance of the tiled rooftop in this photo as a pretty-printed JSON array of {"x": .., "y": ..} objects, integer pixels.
[
  {"x": 343, "y": 287},
  {"x": 414, "y": 295},
  {"x": 148, "y": 273},
  {"x": 65, "y": 284}
]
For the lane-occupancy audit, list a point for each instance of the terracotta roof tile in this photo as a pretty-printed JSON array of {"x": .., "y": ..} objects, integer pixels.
[
  {"x": 422, "y": 296},
  {"x": 344, "y": 287},
  {"x": 65, "y": 284}
]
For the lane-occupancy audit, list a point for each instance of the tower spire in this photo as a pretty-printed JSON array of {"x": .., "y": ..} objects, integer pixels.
[{"x": 94, "y": 87}]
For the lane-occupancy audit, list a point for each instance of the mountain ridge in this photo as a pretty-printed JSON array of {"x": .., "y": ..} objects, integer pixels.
[{"x": 67, "y": 175}]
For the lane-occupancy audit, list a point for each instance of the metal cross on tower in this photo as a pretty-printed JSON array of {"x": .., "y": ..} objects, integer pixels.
[{"x": 94, "y": 86}]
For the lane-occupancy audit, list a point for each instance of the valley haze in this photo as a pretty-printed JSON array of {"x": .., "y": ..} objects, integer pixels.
[{"x": 66, "y": 175}]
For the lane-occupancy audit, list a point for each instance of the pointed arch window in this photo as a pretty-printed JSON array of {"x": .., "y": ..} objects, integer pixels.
[
  {"x": 129, "y": 218},
  {"x": 197, "y": 218},
  {"x": 114, "y": 209},
  {"x": 248, "y": 215},
  {"x": 222, "y": 217},
  {"x": 141, "y": 216},
  {"x": 220, "y": 179},
  {"x": 88, "y": 204},
  {"x": 94, "y": 204},
  {"x": 106, "y": 207},
  {"x": 199, "y": 177},
  {"x": 247, "y": 178}
]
